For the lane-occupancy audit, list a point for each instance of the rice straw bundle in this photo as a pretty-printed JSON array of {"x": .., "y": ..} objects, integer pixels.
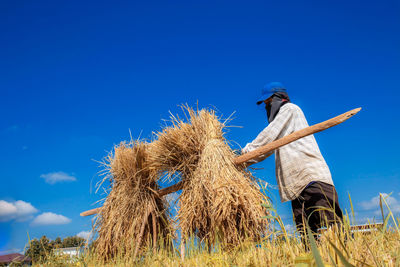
[
  {"x": 229, "y": 196},
  {"x": 132, "y": 216},
  {"x": 218, "y": 199},
  {"x": 178, "y": 147}
]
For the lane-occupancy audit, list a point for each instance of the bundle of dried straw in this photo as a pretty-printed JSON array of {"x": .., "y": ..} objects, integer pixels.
[
  {"x": 132, "y": 216},
  {"x": 219, "y": 200}
]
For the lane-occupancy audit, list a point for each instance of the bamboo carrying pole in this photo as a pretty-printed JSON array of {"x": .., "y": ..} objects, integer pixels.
[
  {"x": 160, "y": 193},
  {"x": 153, "y": 219},
  {"x": 295, "y": 136},
  {"x": 263, "y": 150},
  {"x": 139, "y": 238}
]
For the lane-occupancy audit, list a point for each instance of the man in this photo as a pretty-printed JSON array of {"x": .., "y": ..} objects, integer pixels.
[{"x": 301, "y": 172}]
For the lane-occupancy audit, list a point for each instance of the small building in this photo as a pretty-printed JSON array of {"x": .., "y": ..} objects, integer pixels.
[
  {"x": 72, "y": 252},
  {"x": 15, "y": 258},
  {"x": 360, "y": 228}
]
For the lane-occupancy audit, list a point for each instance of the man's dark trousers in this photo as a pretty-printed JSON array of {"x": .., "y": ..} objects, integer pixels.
[{"x": 307, "y": 207}]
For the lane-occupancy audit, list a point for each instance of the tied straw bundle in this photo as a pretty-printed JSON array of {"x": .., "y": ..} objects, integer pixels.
[
  {"x": 133, "y": 216},
  {"x": 219, "y": 200}
]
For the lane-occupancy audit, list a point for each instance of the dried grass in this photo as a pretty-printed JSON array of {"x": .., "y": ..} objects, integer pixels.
[
  {"x": 219, "y": 200},
  {"x": 125, "y": 222}
]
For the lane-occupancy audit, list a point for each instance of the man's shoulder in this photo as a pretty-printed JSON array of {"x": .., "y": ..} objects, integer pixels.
[{"x": 291, "y": 107}]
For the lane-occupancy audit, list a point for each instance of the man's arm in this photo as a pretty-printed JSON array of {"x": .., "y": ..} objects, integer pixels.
[{"x": 270, "y": 133}]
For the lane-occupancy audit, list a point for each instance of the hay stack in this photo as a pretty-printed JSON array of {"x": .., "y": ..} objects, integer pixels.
[
  {"x": 219, "y": 199},
  {"x": 132, "y": 216}
]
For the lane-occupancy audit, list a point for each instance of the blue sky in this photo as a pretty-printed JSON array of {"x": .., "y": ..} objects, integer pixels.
[{"x": 77, "y": 75}]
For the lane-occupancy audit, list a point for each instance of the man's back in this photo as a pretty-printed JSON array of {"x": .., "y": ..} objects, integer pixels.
[{"x": 297, "y": 163}]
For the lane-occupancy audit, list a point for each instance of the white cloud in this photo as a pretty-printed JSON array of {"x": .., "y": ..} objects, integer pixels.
[
  {"x": 172, "y": 198},
  {"x": 50, "y": 218},
  {"x": 369, "y": 219},
  {"x": 373, "y": 204},
  {"x": 17, "y": 210},
  {"x": 55, "y": 177},
  {"x": 85, "y": 234}
]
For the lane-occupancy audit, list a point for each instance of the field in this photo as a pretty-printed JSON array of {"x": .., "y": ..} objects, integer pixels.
[{"x": 281, "y": 248}]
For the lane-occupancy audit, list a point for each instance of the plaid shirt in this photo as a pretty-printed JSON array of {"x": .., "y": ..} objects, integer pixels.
[{"x": 297, "y": 163}]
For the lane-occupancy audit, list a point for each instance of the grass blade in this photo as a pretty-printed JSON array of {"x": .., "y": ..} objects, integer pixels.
[
  {"x": 332, "y": 261},
  {"x": 352, "y": 210},
  {"x": 341, "y": 256},
  {"x": 385, "y": 222},
  {"x": 380, "y": 205},
  {"x": 317, "y": 256},
  {"x": 382, "y": 198}
]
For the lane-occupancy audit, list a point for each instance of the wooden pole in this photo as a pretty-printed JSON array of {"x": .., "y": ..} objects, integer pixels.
[
  {"x": 264, "y": 149},
  {"x": 153, "y": 218},
  {"x": 295, "y": 136},
  {"x": 170, "y": 189},
  {"x": 90, "y": 212},
  {"x": 139, "y": 239},
  {"x": 182, "y": 249},
  {"x": 162, "y": 192}
]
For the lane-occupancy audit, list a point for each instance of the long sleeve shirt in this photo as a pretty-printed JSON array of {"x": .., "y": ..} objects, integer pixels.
[{"x": 298, "y": 163}]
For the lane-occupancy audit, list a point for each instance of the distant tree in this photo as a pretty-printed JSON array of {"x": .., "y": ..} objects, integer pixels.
[
  {"x": 57, "y": 243},
  {"x": 39, "y": 250},
  {"x": 46, "y": 245},
  {"x": 73, "y": 241},
  {"x": 33, "y": 250}
]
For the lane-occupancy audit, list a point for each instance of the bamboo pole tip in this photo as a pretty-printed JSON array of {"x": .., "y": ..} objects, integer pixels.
[
  {"x": 354, "y": 111},
  {"x": 90, "y": 212}
]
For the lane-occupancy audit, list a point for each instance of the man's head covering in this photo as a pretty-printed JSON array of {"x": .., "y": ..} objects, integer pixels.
[
  {"x": 277, "y": 91},
  {"x": 270, "y": 89},
  {"x": 278, "y": 100}
]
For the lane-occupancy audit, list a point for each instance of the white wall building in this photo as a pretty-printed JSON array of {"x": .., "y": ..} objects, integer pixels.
[{"x": 72, "y": 252}]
